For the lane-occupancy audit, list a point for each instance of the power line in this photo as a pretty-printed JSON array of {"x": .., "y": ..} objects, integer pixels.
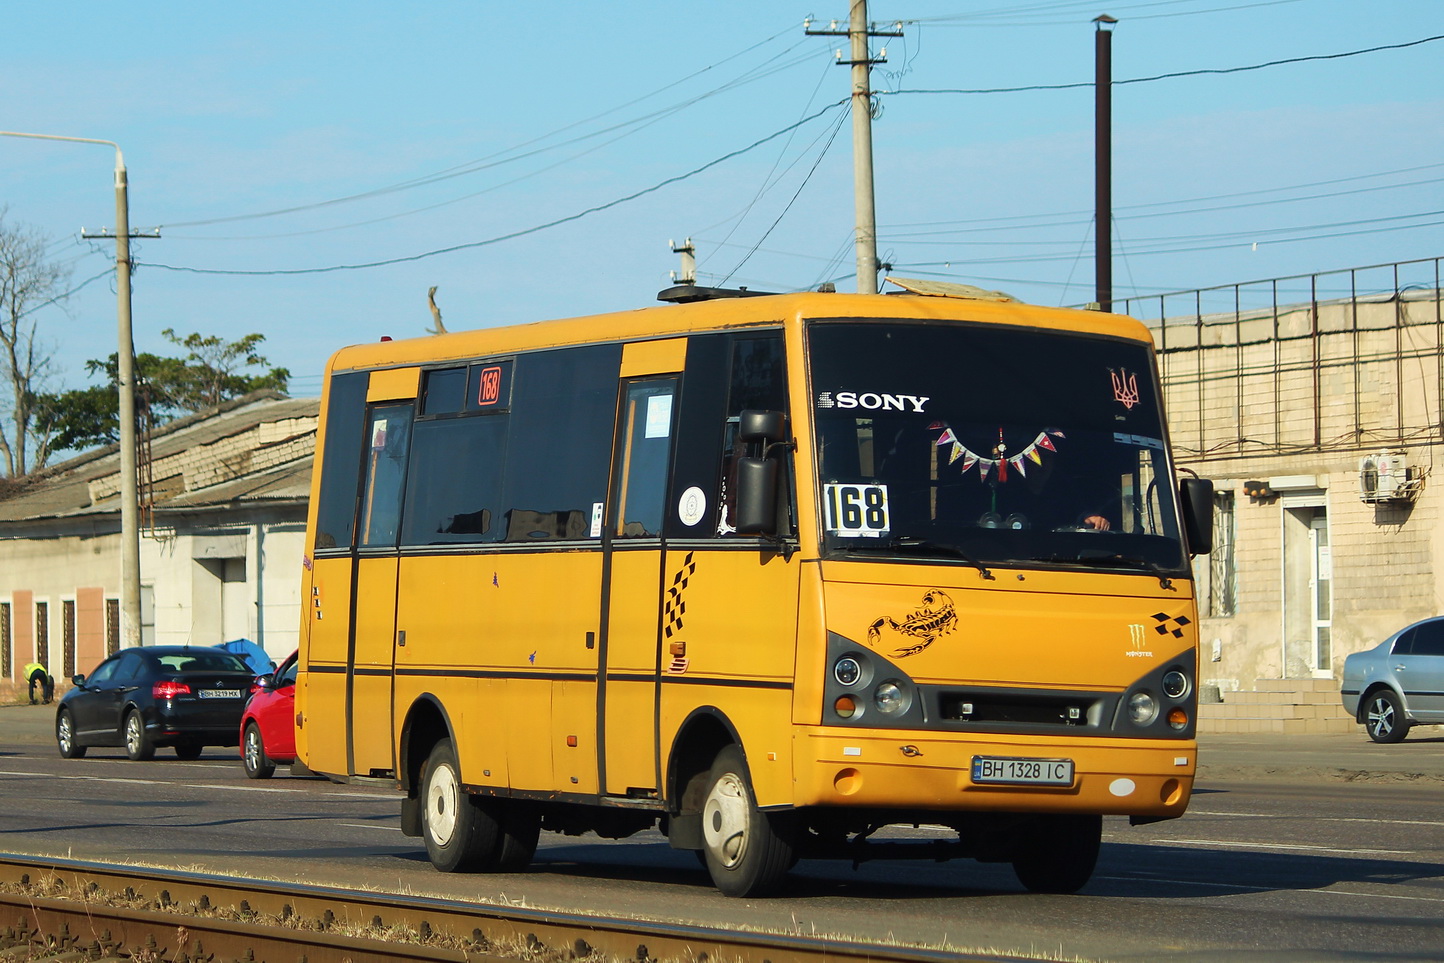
[
  {"x": 1195, "y": 200},
  {"x": 981, "y": 18},
  {"x": 795, "y": 195},
  {"x": 1169, "y": 76},
  {"x": 61, "y": 297},
  {"x": 1242, "y": 241},
  {"x": 501, "y": 157},
  {"x": 514, "y": 234}
]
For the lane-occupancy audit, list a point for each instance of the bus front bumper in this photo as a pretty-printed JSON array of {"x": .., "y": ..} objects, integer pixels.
[{"x": 929, "y": 772}]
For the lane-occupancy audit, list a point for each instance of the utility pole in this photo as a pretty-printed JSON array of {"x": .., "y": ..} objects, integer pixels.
[
  {"x": 861, "y": 61},
  {"x": 1103, "y": 160},
  {"x": 689, "y": 261},
  {"x": 125, "y": 377}
]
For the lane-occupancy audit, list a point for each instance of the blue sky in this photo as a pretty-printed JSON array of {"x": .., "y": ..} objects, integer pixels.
[{"x": 387, "y": 131}]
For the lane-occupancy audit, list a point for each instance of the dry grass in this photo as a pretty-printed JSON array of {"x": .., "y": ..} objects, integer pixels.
[{"x": 526, "y": 948}]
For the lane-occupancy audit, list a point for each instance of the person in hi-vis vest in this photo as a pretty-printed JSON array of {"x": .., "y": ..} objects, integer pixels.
[{"x": 40, "y": 679}]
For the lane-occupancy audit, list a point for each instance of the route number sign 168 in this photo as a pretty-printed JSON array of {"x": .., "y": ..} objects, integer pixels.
[{"x": 856, "y": 510}]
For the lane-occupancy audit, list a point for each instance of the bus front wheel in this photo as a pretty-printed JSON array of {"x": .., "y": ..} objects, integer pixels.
[
  {"x": 467, "y": 834},
  {"x": 747, "y": 851},
  {"x": 1059, "y": 853}
]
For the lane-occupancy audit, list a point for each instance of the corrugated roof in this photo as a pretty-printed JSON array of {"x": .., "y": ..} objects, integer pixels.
[{"x": 64, "y": 490}]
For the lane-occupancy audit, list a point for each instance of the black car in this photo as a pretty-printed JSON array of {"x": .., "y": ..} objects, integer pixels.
[{"x": 184, "y": 696}]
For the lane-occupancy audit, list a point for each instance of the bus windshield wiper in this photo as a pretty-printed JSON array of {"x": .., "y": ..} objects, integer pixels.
[
  {"x": 1115, "y": 561},
  {"x": 913, "y": 545}
]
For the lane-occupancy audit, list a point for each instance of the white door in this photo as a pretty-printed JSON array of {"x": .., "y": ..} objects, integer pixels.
[{"x": 1321, "y": 575}]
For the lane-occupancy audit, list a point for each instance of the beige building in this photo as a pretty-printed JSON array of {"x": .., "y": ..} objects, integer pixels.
[
  {"x": 224, "y": 512},
  {"x": 1319, "y": 423}
]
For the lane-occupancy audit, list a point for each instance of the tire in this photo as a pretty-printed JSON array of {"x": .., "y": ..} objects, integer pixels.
[
  {"x": 65, "y": 736},
  {"x": 188, "y": 750},
  {"x": 137, "y": 744},
  {"x": 456, "y": 839},
  {"x": 1384, "y": 718},
  {"x": 1058, "y": 853},
  {"x": 519, "y": 828},
  {"x": 748, "y": 852},
  {"x": 253, "y": 754}
]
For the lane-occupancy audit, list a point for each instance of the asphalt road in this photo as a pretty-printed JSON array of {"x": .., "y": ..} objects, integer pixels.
[{"x": 1304, "y": 848}]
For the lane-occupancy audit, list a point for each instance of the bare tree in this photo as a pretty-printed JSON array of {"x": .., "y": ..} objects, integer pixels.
[{"x": 27, "y": 281}]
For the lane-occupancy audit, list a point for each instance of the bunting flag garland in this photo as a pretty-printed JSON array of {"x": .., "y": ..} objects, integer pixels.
[{"x": 1001, "y": 461}]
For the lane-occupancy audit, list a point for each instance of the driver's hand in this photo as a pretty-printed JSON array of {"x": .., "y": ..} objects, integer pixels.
[{"x": 1096, "y": 522}]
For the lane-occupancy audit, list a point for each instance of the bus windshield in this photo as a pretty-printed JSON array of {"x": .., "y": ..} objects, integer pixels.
[{"x": 992, "y": 445}]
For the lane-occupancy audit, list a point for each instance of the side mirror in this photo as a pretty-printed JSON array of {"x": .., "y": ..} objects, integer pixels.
[
  {"x": 1196, "y": 494},
  {"x": 78, "y": 679},
  {"x": 758, "y": 472},
  {"x": 756, "y": 496},
  {"x": 762, "y": 426},
  {"x": 265, "y": 681}
]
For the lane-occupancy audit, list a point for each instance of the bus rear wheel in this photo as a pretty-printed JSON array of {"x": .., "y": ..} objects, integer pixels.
[
  {"x": 748, "y": 852},
  {"x": 466, "y": 834},
  {"x": 1059, "y": 853}
]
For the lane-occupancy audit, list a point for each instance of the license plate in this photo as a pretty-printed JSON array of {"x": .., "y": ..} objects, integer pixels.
[
  {"x": 219, "y": 693},
  {"x": 1004, "y": 771}
]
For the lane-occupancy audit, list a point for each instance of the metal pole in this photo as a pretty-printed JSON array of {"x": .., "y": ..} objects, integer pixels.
[
  {"x": 862, "y": 150},
  {"x": 125, "y": 386},
  {"x": 1103, "y": 160}
]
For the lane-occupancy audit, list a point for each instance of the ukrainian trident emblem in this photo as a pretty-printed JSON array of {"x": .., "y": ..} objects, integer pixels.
[{"x": 1125, "y": 387}]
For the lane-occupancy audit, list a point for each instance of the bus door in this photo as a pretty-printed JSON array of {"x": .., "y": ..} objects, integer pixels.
[
  {"x": 630, "y": 665},
  {"x": 372, "y": 656}
]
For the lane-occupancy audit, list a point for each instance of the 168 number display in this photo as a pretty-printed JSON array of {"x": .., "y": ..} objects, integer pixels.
[{"x": 856, "y": 509}]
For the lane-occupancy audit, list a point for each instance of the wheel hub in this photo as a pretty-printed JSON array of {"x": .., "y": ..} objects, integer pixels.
[
  {"x": 442, "y": 794},
  {"x": 725, "y": 818}
]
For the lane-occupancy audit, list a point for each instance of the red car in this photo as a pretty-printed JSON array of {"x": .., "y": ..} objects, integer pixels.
[{"x": 268, "y": 727}]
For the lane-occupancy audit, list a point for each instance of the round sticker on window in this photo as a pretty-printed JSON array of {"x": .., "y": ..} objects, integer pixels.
[{"x": 692, "y": 506}]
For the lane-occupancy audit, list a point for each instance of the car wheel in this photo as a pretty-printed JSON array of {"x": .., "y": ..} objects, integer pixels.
[
  {"x": 65, "y": 736},
  {"x": 1384, "y": 717},
  {"x": 137, "y": 744},
  {"x": 188, "y": 750},
  {"x": 1059, "y": 853},
  {"x": 253, "y": 754},
  {"x": 747, "y": 851}
]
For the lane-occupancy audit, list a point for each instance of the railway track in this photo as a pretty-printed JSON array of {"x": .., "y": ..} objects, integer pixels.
[{"x": 77, "y": 910}]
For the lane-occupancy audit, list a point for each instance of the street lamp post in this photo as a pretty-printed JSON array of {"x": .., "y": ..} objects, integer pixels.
[{"x": 125, "y": 377}]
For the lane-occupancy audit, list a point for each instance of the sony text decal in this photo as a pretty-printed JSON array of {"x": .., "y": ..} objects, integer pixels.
[{"x": 871, "y": 401}]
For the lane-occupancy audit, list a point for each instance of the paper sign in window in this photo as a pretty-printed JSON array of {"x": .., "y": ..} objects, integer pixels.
[{"x": 659, "y": 416}]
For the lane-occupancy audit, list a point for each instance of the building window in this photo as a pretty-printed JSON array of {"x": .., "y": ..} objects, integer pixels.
[
  {"x": 67, "y": 634},
  {"x": 42, "y": 633},
  {"x": 1222, "y": 581},
  {"x": 112, "y": 627},
  {"x": 6, "y": 667}
]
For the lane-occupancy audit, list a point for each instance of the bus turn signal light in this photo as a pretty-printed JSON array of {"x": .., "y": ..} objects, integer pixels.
[
  {"x": 1177, "y": 718},
  {"x": 845, "y": 707}
]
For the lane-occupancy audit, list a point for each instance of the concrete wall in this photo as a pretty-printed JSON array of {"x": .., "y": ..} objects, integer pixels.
[
  {"x": 1299, "y": 396},
  {"x": 181, "y": 569}
]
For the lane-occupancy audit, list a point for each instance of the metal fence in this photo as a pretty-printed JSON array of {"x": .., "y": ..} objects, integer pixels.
[{"x": 1328, "y": 361}]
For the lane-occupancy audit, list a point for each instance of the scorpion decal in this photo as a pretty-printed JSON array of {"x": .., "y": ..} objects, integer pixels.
[{"x": 935, "y": 618}]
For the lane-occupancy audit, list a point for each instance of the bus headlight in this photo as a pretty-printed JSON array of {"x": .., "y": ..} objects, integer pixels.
[
  {"x": 847, "y": 671},
  {"x": 1142, "y": 708},
  {"x": 891, "y": 698},
  {"x": 1175, "y": 684}
]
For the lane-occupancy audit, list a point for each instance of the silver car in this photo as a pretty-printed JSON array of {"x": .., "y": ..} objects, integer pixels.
[{"x": 1399, "y": 682}]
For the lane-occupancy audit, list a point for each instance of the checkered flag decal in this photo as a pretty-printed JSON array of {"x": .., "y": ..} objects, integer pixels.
[
  {"x": 675, "y": 607},
  {"x": 1163, "y": 628}
]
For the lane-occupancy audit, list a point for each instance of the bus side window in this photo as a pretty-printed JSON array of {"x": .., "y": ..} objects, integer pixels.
[
  {"x": 388, "y": 439},
  {"x": 559, "y": 447},
  {"x": 644, "y": 455},
  {"x": 340, "y": 466},
  {"x": 757, "y": 382}
]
